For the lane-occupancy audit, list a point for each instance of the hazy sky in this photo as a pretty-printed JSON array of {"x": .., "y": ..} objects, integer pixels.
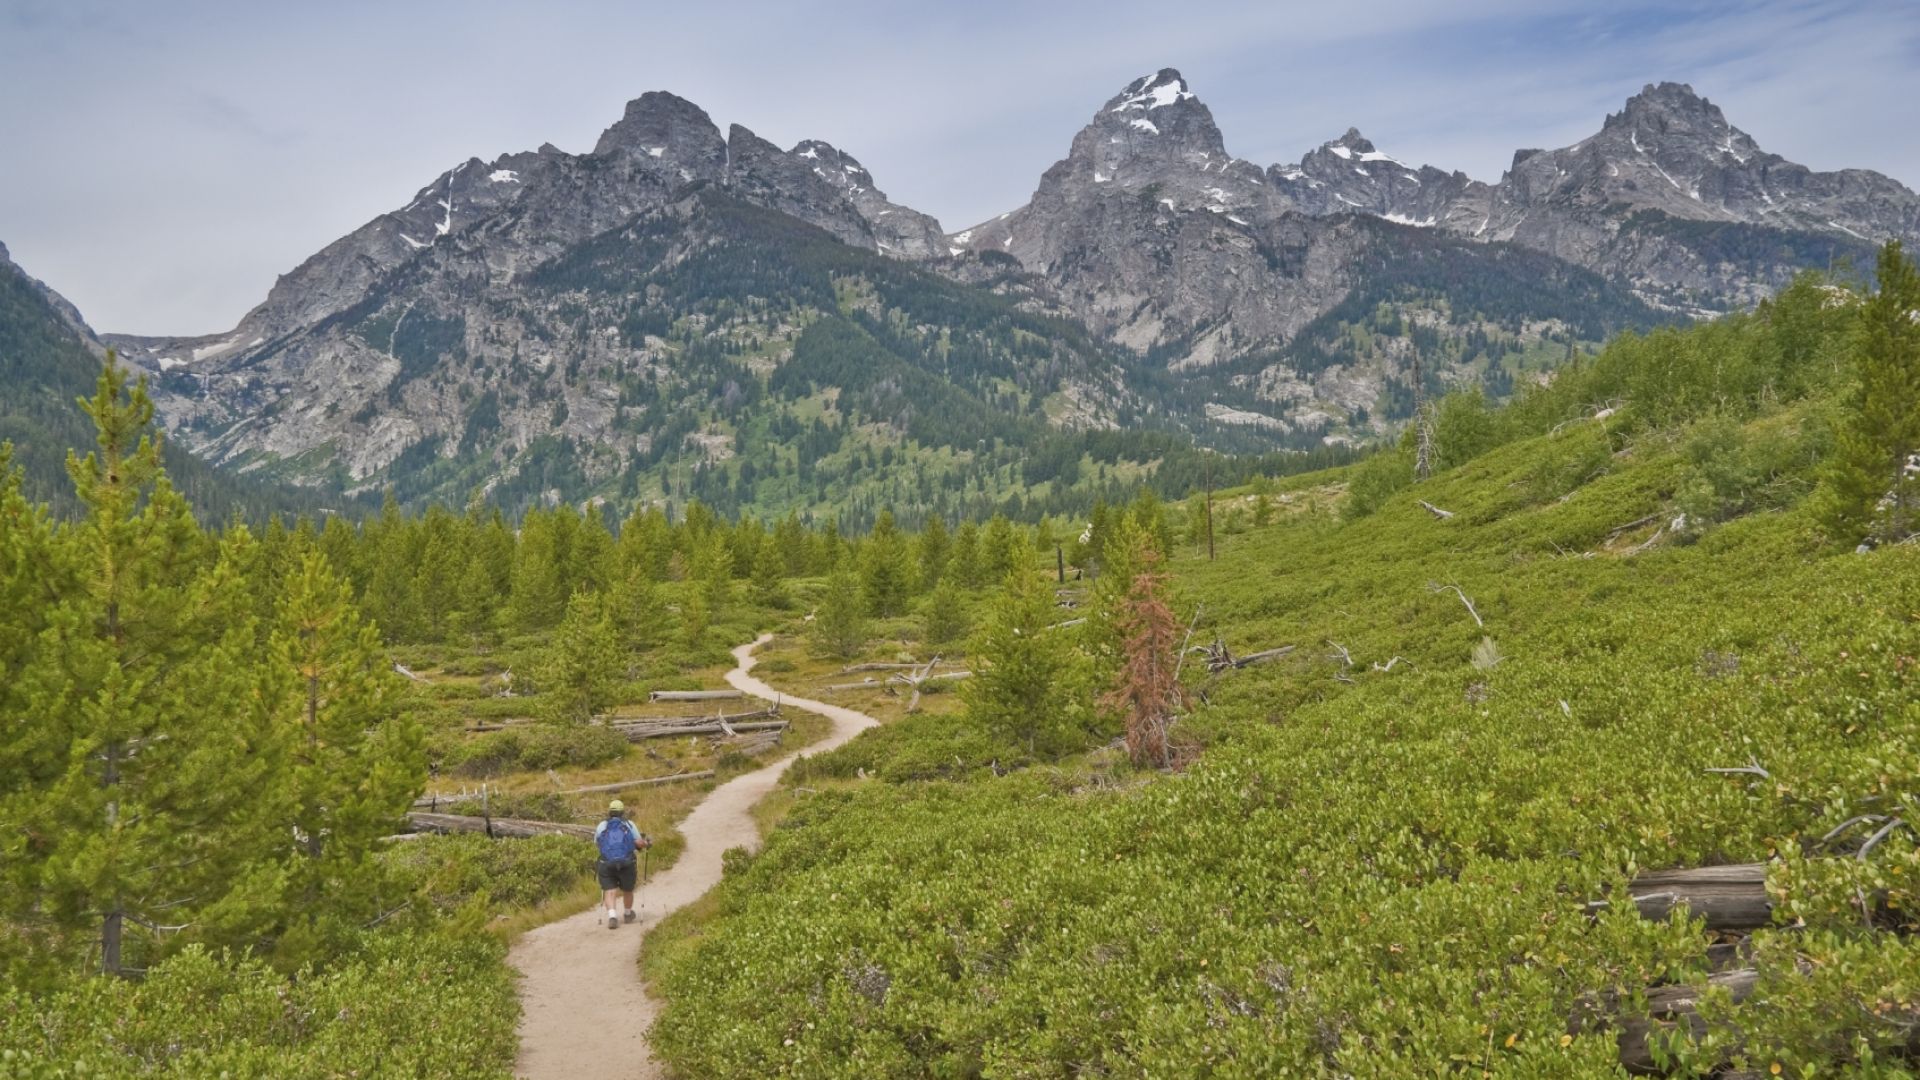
[{"x": 161, "y": 163}]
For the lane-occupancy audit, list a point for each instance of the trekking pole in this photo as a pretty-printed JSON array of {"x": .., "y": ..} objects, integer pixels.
[{"x": 646, "y": 864}]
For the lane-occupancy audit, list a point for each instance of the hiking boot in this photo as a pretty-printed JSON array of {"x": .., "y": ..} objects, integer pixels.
[
  {"x": 628, "y": 917},
  {"x": 612, "y": 923}
]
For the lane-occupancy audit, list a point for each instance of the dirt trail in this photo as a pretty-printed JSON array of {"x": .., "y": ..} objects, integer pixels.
[{"x": 584, "y": 1012}]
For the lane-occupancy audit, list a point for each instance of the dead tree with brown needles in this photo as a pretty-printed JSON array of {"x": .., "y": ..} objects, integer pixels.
[{"x": 1147, "y": 691}]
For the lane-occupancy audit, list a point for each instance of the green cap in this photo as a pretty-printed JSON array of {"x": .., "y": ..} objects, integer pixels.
[{"x": 616, "y": 807}]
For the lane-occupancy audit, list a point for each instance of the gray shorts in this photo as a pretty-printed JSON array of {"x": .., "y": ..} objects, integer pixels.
[{"x": 620, "y": 875}]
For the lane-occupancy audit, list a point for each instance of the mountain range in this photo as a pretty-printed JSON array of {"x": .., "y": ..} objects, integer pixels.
[{"x": 683, "y": 313}]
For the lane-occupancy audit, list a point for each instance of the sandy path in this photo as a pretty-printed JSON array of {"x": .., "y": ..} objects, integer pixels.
[{"x": 577, "y": 976}]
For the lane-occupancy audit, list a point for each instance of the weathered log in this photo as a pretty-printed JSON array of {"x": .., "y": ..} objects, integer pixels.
[
  {"x": 622, "y": 785},
  {"x": 1262, "y": 656},
  {"x": 855, "y": 669},
  {"x": 642, "y": 733},
  {"x": 695, "y": 695},
  {"x": 731, "y": 718},
  {"x": 421, "y": 821},
  {"x": 432, "y": 800},
  {"x": 1669, "y": 1008},
  {"x": 1726, "y": 897},
  {"x": 863, "y": 684},
  {"x": 1435, "y": 511}
]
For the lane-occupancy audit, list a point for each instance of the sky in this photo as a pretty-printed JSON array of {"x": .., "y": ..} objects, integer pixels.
[{"x": 162, "y": 162}]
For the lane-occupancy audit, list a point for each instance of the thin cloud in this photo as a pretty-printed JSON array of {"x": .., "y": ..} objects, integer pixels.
[{"x": 174, "y": 159}]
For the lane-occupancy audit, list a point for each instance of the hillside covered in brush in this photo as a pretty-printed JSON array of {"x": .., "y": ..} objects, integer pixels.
[{"x": 1622, "y": 630}]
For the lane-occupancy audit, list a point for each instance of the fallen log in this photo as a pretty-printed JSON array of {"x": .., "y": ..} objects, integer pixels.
[
  {"x": 1726, "y": 897},
  {"x": 421, "y": 821},
  {"x": 622, "y": 785},
  {"x": 1435, "y": 511},
  {"x": 1669, "y": 1008},
  {"x": 709, "y": 727},
  {"x": 855, "y": 669},
  {"x": 695, "y": 695},
  {"x": 731, "y": 718},
  {"x": 863, "y": 684}
]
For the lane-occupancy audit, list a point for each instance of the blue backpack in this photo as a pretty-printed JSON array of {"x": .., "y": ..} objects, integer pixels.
[{"x": 616, "y": 841}]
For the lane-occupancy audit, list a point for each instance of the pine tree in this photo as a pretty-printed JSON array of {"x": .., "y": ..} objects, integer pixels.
[
  {"x": 935, "y": 546},
  {"x": 141, "y": 742},
  {"x": 1873, "y": 483},
  {"x": 580, "y": 672},
  {"x": 713, "y": 572},
  {"x": 637, "y": 609},
  {"x": 1002, "y": 550},
  {"x": 539, "y": 596},
  {"x": 944, "y": 615},
  {"x": 795, "y": 546},
  {"x": 883, "y": 568},
  {"x": 1151, "y": 516},
  {"x": 390, "y": 599},
  {"x": 840, "y": 622},
  {"x": 695, "y": 618},
  {"x": 769, "y": 576},
  {"x": 964, "y": 565},
  {"x": 1145, "y": 692},
  {"x": 354, "y": 760},
  {"x": 592, "y": 556},
  {"x": 1030, "y": 684}
]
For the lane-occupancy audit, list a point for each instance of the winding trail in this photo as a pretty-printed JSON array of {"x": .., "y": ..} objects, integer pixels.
[{"x": 584, "y": 1011}]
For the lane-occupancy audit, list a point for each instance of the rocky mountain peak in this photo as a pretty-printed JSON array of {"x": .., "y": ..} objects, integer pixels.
[
  {"x": 659, "y": 125},
  {"x": 1153, "y": 118},
  {"x": 833, "y": 165},
  {"x": 1149, "y": 92}
]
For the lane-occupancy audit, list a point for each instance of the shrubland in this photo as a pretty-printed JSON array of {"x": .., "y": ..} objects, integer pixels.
[{"x": 1403, "y": 847}]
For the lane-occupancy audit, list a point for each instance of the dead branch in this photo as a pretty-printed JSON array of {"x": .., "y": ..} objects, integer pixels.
[
  {"x": 1340, "y": 653},
  {"x": 913, "y": 703},
  {"x": 1069, "y": 622},
  {"x": 1879, "y": 836},
  {"x": 1648, "y": 542},
  {"x": 1435, "y": 511},
  {"x": 1186, "y": 641},
  {"x": 1751, "y": 767},
  {"x": 1858, "y": 819},
  {"x": 1388, "y": 666},
  {"x": 390, "y": 914},
  {"x": 1631, "y": 525},
  {"x": 1457, "y": 591}
]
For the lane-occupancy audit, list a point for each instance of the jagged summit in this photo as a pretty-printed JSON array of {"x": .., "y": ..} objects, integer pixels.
[
  {"x": 1149, "y": 92},
  {"x": 658, "y": 123}
]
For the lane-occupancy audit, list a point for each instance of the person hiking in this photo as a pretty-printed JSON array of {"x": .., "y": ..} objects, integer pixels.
[{"x": 620, "y": 842}]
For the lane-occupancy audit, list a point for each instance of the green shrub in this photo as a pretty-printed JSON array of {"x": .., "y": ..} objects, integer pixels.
[
  {"x": 415, "y": 1004},
  {"x": 1374, "y": 480},
  {"x": 535, "y": 746}
]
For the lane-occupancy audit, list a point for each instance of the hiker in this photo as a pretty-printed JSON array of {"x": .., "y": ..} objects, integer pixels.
[{"x": 620, "y": 842}]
